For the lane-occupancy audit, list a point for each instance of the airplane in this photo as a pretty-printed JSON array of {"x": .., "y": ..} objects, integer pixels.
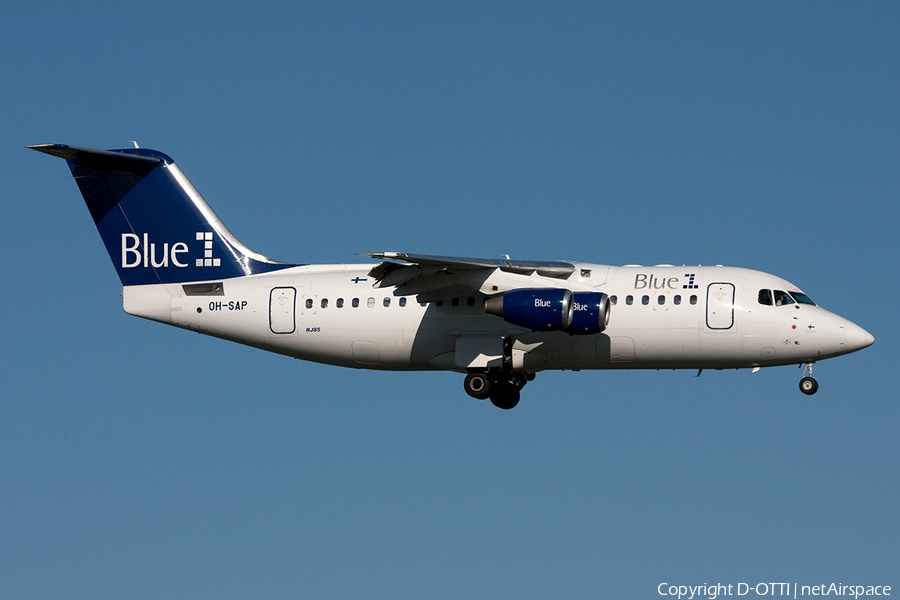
[{"x": 498, "y": 321}]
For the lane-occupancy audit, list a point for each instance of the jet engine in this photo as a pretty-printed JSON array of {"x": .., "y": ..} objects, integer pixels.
[
  {"x": 537, "y": 309},
  {"x": 590, "y": 313},
  {"x": 551, "y": 309}
]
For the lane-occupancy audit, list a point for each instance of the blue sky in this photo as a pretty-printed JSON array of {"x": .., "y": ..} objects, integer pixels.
[{"x": 139, "y": 461}]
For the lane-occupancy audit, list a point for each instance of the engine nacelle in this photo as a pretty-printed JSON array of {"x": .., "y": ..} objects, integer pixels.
[
  {"x": 539, "y": 309},
  {"x": 590, "y": 313}
]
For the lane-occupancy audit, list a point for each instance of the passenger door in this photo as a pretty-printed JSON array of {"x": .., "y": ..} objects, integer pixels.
[{"x": 720, "y": 306}]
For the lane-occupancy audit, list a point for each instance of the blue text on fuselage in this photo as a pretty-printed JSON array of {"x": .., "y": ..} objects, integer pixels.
[{"x": 649, "y": 281}]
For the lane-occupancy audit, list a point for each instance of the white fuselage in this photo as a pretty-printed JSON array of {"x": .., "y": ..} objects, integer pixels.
[{"x": 661, "y": 317}]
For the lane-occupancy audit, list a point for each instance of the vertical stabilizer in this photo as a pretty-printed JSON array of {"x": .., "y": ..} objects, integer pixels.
[{"x": 156, "y": 226}]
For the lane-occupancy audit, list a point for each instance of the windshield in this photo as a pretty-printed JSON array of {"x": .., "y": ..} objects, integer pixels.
[{"x": 802, "y": 298}]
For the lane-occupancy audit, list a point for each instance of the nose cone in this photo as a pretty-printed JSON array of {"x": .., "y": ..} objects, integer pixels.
[{"x": 858, "y": 338}]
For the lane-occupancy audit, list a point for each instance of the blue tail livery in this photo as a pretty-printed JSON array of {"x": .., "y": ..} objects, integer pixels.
[{"x": 156, "y": 226}]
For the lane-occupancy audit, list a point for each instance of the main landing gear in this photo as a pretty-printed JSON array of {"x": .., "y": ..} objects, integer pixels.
[
  {"x": 808, "y": 385},
  {"x": 501, "y": 386}
]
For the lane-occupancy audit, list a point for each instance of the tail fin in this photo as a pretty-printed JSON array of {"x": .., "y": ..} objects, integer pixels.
[{"x": 156, "y": 226}]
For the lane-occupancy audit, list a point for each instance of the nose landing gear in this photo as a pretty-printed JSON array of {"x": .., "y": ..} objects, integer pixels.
[{"x": 808, "y": 385}]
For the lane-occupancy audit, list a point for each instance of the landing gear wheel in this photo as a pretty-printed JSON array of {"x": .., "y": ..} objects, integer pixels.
[
  {"x": 809, "y": 386},
  {"x": 504, "y": 395},
  {"x": 478, "y": 385}
]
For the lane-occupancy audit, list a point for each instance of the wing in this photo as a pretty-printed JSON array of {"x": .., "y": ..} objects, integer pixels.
[{"x": 438, "y": 277}]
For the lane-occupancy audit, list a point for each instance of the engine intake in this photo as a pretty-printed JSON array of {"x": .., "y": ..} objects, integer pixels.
[{"x": 538, "y": 309}]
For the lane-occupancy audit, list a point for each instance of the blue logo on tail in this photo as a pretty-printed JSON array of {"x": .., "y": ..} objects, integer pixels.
[
  {"x": 139, "y": 251},
  {"x": 207, "y": 260}
]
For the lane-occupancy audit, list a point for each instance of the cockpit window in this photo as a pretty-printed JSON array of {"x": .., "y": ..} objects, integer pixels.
[
  {"x": 765, "y": 297},
  {"x": 802, "y": 298},
  {"x": 782, "y": 298}
]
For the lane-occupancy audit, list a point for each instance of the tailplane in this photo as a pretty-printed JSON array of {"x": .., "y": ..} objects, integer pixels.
[{"x": 156, "y": 226}]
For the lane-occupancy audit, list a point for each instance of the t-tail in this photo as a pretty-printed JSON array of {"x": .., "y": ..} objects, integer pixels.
[{"x": 156, "y": 226}]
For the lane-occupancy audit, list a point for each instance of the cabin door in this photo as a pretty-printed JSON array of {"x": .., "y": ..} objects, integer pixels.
[
  {"x": 282, "y": 303},
  {"x": 720, "y": 306}
]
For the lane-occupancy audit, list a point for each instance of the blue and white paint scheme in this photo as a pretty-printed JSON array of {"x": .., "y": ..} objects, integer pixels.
[{"x": 499, "y": 321}]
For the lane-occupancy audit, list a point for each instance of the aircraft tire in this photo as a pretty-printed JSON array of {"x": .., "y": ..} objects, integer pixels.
[
  {"x": 809, "y": 386},
  {"x": 504, "y": 395},
  {"x": 478, "y": 385}
]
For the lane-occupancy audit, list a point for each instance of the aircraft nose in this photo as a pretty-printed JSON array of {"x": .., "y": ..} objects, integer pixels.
[{"x": 858, "y": 338}]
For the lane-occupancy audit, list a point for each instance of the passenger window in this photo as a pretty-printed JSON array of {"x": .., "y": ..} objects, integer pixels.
[
  {"x": 470, "y": 301},
  {"x": 629, "y": 300},
  {"x": 387, "y": 302},
  {"x": 370, "y": 302},
  {"x": 661, "y": 300},
  {"x": 676, "y": 300},
  {"x": 693, "y": 299},
  {"x": 645, "y": 300},
  {"x": 402, "y": 301},
  {"x": 765, "y": 297},
  {"x": 613, "y": 299},
  {"x": 324, "y": 302},
  {"x": 454, "y": 302},
  {"x": 339, "y": 303},
  {"x": 356, "y": 303},
  {"x": 439, "y": 303},
  {"x": 309, "y": 303},
  {"x": 782, "y": 298}
]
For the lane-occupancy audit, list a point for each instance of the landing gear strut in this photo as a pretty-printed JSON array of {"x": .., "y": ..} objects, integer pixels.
[{"x": 808, "y": 385}]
